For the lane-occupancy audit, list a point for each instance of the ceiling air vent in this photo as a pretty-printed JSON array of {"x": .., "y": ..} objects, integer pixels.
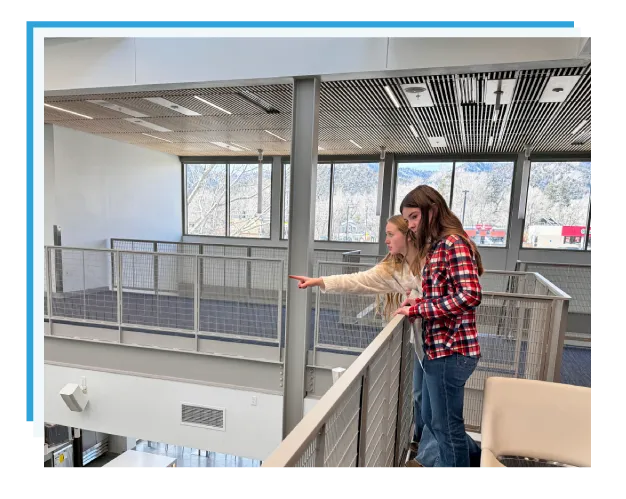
[
  {"x": 206, "y": 417},
  {"x": 418, "y": 94}
]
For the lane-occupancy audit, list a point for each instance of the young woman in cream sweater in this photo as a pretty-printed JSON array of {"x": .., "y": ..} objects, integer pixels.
[{"x": 397, "y": 275}]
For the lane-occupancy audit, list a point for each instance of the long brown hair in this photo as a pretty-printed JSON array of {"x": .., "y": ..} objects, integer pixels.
[
  {"x": 441, "y": 224},
  {"x": 394, "y": 264}
]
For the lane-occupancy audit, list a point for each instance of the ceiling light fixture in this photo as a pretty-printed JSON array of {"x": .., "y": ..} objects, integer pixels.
[
  {"x": 226, "y": 146},
  {"x": 277, "y": 136},
  {"x": 212, "y": 105},
  {"x": 155, "y": 137},
  {"x": 160, "y": 101},
  {"x": 392, "y": 96},
  {"x": 147, "y": 124},
  {"x": 242, "y": 147},
  {"x": 67, "y": 111},
  {"x": 490, "y": 141},
  {"x": 120, "y": 109},
  {"x": 256, "y": 101},
  {"x": 354, "y": 143},
  {"x": 413, "y": 131},
  {"x": 579, "y": 127}
]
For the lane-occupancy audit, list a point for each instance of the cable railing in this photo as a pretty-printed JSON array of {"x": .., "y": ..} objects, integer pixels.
[{"x": 365, "y": 419}]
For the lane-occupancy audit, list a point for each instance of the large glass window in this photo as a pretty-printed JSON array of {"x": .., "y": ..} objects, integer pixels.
[
  {"x": 410, "y": 175},
  {"x": 482, "y": 200},
  {"x": 210, "y": 188},
  {"x": 557, "y": 206},
  {"x": 352, "y": 213},
  {"x": 481, "y": 197}
]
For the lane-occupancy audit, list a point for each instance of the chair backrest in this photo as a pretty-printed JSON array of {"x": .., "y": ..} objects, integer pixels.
[{"x": 537, "y": 419}]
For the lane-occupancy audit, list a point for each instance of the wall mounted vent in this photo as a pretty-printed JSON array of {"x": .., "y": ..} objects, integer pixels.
[{"x": 206, "y": 417}]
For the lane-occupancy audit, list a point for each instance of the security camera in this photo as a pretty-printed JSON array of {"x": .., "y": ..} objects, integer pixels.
[{"x": 74, "y": 397}]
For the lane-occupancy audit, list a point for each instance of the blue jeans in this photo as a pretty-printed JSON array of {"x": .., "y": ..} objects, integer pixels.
[
  {"x": 427, "y": 451},
  {"x": 442, "y": 408}
]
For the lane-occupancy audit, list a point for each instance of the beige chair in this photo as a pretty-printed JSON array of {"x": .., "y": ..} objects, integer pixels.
[{"x": 537, "y": 420}]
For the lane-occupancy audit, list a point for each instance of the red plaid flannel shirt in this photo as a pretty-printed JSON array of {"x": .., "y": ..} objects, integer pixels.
[{"x": 451, "y": 293}]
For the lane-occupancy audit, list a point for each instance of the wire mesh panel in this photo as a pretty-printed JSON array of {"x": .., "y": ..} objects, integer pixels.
[
  {"x": 242, "y": 310},
  {"x": 342, "y": 430},
  {"x": 382, "y": 404},
  {"x": 224, "y": 273},
  {"x": 513, "y": 333},
  {"x": 575, "y": 280},
  {"x": 345, "y": 320},
  {"x": 171, "y": 309},
  {"x": 271, "y": 253},
  {"x": 405, "y": 404},
  {"x": 80, "y": 281},
  {"x": 362, "y": 420}
]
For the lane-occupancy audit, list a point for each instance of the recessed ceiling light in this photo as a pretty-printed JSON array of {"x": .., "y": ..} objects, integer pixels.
[
  {"x": 155, "y": 137},
  {"x": 67, "y": 111},
  {"x": 490, "y": 141},
  {"x": 413, "y": 131},
  {"x": 558, "y": 88},
  {"x": 277, "y": 136},
  {"x": 579, "y": 127},
  {"x": 353, "y": 142},
  {"x": 418, "y": 94},
  {"x": 226, "y": 146},
  {"x": 212, "y": 105},
  {"x": 242, "y": 147},
  {"x": 172, "y": 105},
  {"x": 320, "y": 148},
  {"x": 392, "y": 96},
  {"x": 147, "y": 124},
  {"x": 437, "y": 141},
  {"x": 118, "y": 108},
  {"x": 499, "y": 88}
]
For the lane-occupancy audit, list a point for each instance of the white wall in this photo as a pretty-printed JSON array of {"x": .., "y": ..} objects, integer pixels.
[
  {"x": 49, "y": 196},
  {"x": 103, "y": 188},
  {"x": 150, "y": 409},
  {"x": 115, "y": 62}
]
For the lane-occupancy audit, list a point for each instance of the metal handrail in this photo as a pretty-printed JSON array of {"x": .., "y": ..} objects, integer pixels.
[{"x": 289, "y": 451}]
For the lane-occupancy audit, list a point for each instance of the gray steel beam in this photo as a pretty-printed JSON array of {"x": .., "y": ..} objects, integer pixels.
[
  {"x": 386, "y": 209},
  {"x": 305, "y": 126},
  {"x": 276, "y": 225}
]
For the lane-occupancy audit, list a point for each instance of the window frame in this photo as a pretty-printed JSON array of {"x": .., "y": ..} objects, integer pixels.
[
  {"x": 469, "y": 158},
  {"x": 548, "y": 158},
  {"x": 324, "y": 160},
  {"x": 227, "y": 161}
]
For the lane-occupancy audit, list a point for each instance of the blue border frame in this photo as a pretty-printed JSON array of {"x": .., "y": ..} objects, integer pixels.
[{"x": 30, "y": 27}]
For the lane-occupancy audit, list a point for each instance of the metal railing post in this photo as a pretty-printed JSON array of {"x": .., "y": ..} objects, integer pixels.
[
  {"x": 49, "y": 288},
  {"x": 279, "y": 319},
  {"x": 120, "y": 310},
  {"x": 84, "y": 286},
  {"x": 196, "y": 300},
  {"x": 362, "y": 442}
]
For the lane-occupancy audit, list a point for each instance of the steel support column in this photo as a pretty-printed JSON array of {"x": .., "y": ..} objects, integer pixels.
[
  {"x": 386, "y": 209},
  {"x": 304, "y": 139}
]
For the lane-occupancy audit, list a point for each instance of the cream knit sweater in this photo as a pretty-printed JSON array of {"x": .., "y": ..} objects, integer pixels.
[{"x": 377, "y": 281}]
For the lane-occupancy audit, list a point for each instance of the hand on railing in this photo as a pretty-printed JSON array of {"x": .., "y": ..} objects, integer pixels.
[{"x": 308, "y": 282}]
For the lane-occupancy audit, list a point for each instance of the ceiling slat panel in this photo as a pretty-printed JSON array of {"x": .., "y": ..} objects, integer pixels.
[{"x": 358, "y": 110}]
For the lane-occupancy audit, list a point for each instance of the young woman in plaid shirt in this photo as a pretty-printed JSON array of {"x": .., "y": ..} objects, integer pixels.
[{"x": 451, "y": 292}]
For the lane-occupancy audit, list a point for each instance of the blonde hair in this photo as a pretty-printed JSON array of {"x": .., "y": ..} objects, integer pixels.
[{"x": 393, "y": 264}]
